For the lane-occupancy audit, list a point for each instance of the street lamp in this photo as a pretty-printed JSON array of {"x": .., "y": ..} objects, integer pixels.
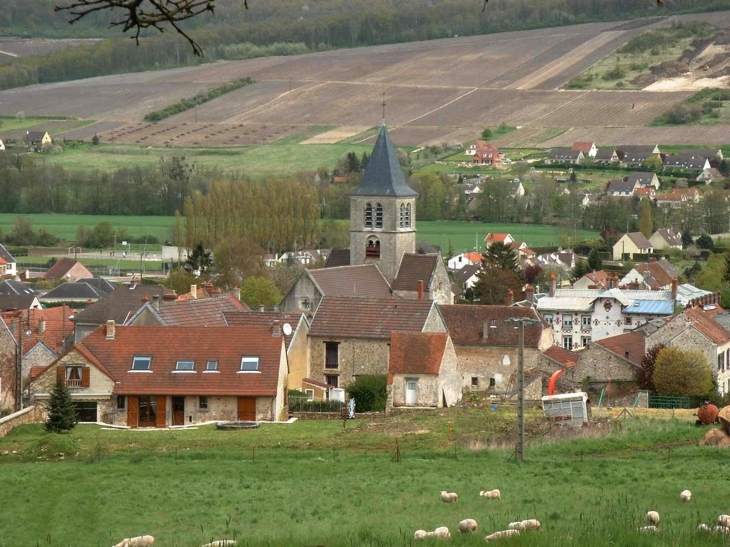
[{"x": 521, "y": 322}]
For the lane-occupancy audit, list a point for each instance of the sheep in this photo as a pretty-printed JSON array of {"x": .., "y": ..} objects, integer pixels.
[
  {"x": 686, "y": 495},
  {"x": 442, "y": 532},
  {"x": 704, "y": 528},
  {"x": 652, "y": 517},
  {"x": 648, "y": 529},
  {"x": 467, "y": 525},
  {"x": 221, "y": 543},
  {"x": 421, "y": 534},
  {"x": 502, "y": 534},
  {"x": 531, "y": 524},
  {"x": 724, "y": 520},
  {"x": 724, "y": 530},
  {"x": 139, "y": 541},
  {"x": 448, "y": 497},
  {"x": 491, "y": 494},
  {"x": 516, "y": 525}
]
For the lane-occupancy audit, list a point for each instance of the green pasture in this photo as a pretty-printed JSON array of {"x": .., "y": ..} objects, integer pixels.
[
  {"x": 316, "y": 483},
  {"x": 273, "y": 160}
]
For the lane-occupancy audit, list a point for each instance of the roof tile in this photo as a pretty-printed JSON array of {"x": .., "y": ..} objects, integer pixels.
[
  {"x": 414, "y": 268},
  {"x": 416, "y": 352},
  {"x": 466, "y": 325}
]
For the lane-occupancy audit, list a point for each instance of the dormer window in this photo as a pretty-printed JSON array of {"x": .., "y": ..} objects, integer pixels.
[
  {"x": 249, "y": 363},
  {"x": 211, "y": 365},
  {"x": 185, "y": 365},
  {"x": 141, "y": 363},
  {"x": 368, "y": 215},
  {"x": 372, "y": 248},
  {"x": 378, "y": 215}
]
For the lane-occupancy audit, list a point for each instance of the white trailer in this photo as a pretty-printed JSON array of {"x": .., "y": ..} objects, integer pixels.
[{"x": 568, "y": 408}]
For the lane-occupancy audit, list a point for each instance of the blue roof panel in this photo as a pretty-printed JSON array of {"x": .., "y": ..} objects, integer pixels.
[{"x": 650, "y": 307}]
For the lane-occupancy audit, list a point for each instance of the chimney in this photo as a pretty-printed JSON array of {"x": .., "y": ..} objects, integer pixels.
[
  {"x": 156, "y": 301},
  {"x": 615, "y": 281},
  {"x": 510, "y": 297},
  {"x": 41, "y": 326},
  {"x": 675, "y": 285},
  {"x": 420, "y": 289},
  {"x": 237, "y": 293},
  {"x": 485, "y": 330},
  {"x": 111, "y": 329},
  {"x": 276, "y": 329},
  {"x": 194, "y": 291},
  {"x": 145, "y": 299},
  {"x": 261, "y": 307},
  {"x": 530, "y": 293},
  {"x": 553, "y": 282}
]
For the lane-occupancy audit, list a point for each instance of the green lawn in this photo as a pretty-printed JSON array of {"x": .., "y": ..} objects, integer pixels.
[
  {"x": 281, "y": 158},
  {"x": 315, "y": 483}
]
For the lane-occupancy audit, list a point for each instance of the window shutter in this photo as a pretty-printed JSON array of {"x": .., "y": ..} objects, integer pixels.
[
  {"x": 161, "y": 411},
  {"x": 85, "y": 376},
  {"x": 60, "y": 374}
]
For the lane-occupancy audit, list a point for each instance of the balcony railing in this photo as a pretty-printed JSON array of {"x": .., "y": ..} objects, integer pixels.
[{"x": 73, "y": 383}]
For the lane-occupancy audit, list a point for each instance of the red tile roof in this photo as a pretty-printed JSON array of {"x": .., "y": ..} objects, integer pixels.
[
  {"x": 704, "y": 323},
  {"x": 206, "y": 312},
  {"x": 466, "y": 325},
  {"x": 582, "y": 146},
  {"x": 373, "y": 318},
  {"x": 167, "y": 345},
  {"x": 57, "y": 326},
  {"x": 416, "y": 352},
  {"x": 364, "y": 280},
  {"x": 657, "y": 271},
  {"x": 414, "y": 268},
  {"x": 496, "y": 238},
  {"x": 264, "y": 319},
  {"x": 561, "y": 355},
  {"x": 630, "y": 346}
]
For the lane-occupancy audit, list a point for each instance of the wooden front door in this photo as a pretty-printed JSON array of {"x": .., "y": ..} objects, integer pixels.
[
  {"x": 178, "y": 411},
  {"x": 132, "y": 410},
  {"x": 147, "y": 411},
  {"x": 161, "y": 419},
  {"x": 247, "y": 409}
]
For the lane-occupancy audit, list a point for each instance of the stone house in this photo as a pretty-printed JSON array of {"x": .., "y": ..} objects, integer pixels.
[
  {"x": 487, "y": 346},
  {"x": 8, "y": 265},
  {"x": 423, "y": 276},
  {"x": 491, "y": 237},
  {"x": 364, "y": 280},
  {"x": 171, "y": 376},
  {"x": 422, "y": 370},
  {"x": 631, "y": 243},
  {"x": 205, "y": 312},
  {"x": 349, "y": 337},
  {"x": 67, "y": 269},
  {"x": 666, "y": 238}
]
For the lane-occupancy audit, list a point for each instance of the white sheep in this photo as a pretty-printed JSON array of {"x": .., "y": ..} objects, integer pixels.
[
  {"x": 648, "y": 529},
  {"x": 516, "y": 525},
  {"x": 467, "y": 525},
  {"x": 139, "y": 541},
  {"x": 491, "y": 494},
  {"x": 221, "y": 543},
  {"x": 724, "y": 530},
  {"x": 442, "y": 532},
  {"x": 421, "y": 534},
  {"x": 448, "y": 497},
  {"x": 724, "y": 520},
  {"x": 531, "y": 524},
  {"x": 686, "y": 495},
  {"x": 704, "y": 528},
  {"x": 652, "y": 517},
  {"x": 501, "y": 535}
]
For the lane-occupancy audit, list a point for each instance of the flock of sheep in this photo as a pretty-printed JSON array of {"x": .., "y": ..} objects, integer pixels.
[
  {"x": 146, "y": 541},
  {"x": 468, "y": 526}
]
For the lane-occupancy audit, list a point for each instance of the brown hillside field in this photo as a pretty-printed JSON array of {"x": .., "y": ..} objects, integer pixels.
[{"x": 435, "y": 91}]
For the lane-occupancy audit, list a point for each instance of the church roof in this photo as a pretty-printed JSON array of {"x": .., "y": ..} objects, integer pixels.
[{"x": 383, "y": 175}]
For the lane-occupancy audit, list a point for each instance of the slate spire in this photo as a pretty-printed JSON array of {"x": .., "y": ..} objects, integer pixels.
[{"x": 383, "y": 175}]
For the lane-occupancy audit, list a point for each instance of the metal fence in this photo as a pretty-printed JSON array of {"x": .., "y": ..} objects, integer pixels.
[
  {"x": 301, "y": 404},
  {"x": 661, "y": 401}
]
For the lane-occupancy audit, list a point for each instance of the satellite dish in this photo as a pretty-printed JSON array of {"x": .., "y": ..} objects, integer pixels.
[{"x": 287, "y": 329}]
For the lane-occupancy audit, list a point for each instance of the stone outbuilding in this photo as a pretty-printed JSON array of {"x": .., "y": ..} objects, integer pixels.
[
  {"x": 423, "y": 276},
  {"x": 422, "y": 370}
]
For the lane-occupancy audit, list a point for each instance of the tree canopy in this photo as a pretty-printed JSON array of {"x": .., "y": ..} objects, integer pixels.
[{"x": 681, "y": 372}]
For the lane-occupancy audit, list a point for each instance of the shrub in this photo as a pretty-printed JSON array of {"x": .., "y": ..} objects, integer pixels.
[
  {"x": 682, "y": 373},
  {"x": 369, "y": 392}
]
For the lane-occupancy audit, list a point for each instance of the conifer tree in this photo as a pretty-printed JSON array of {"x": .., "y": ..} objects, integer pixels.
[{"x": 61, "y": 410}]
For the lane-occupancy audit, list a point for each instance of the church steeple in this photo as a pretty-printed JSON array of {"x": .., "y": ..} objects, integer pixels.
[{"x": 383, "y": 175}]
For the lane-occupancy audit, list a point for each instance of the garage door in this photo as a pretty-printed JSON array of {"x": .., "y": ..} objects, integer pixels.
[{"x": 85, "y": 411}]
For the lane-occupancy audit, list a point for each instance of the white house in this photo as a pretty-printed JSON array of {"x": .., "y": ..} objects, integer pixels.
[
  {"x": 588, "y": 148},
  {"x": 8, "y": 266},
  {"x": 464, "y": 259},
  {"x": 634, "y": 242},
  {"x": 666, "y": 238},
  {"x": 2, "y": 145}
]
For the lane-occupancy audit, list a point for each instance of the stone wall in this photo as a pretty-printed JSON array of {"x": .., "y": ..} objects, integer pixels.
[
  {"x": 30, "y": 415},
  {"x": 303, "y": 289},
  {"x": 356, "y": 357},
  {"x": 434, "y": 322},
  {"x": 38, "y": 356},
  {"x": 428, "y": 389},
  {"x": 485, "y": 363},
  {"x": 98, "y": 381},
  {"x": 7, "y": 368},
  {"x": 298, "y": 356}
]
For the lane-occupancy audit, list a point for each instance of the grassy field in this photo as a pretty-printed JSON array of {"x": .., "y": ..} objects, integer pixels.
[
  {"x": 315, "y": 483},
  {"x": 275, "y": 160}
]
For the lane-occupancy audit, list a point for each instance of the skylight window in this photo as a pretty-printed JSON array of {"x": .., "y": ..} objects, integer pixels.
[
  {"x": 141, "y": 363},
  {"x": 185, "y": 365},
  {"x": 250, "y": 363},
  {"x": 211, "y": 365}
]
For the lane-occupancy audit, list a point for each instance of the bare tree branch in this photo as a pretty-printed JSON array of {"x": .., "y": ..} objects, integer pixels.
[{"x": 141, "y": 14}]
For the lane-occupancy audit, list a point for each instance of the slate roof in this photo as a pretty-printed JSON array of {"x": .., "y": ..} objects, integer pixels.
[
  {"x": 372, "y": 318},
  {"x": 563, "y": 154},
  {"x": 120, "y": 305},
  {"x": 383, "y": 175},
  {"x": 687, "y": 161},
  {"x": 707, "y": 325},
  {"x": 707, "y": 153},
  {"x": 61, "y": 268},
  {"x": 10, "y": 287},
  {"x": 34, "y": 135},
  {"x": 6, "y": 256},
  {"x": 206, "y": 312},
  {"x": 617, "y": 186},
  {"x": 414, "y": 268},
  {"x": 670, "y": 236},
  {"x": 644, "y": 179},
  {"x": 465, "y": 273},
  {"x": 640, "y": 240},
  {"x": 58, "y": 325},
  {"x": 16, "y": 301},
  {"x": 74, "y": 291},
  {"x": 416, "y": 352},
  {"x": 167, "y": 345},
  {"x": 604, "y": 154},
  {"x": 466, "y": 325},
  {"x": 263, "y": 319},
  {"x": 338, "y": 257},
  {"x": 636, "y": 154},
  {"x": 360, "y": 280},
  {"x": 630, "y": 346},
  {"x": 99, "y": 283},
  {"x": 561, "y": 355}
]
